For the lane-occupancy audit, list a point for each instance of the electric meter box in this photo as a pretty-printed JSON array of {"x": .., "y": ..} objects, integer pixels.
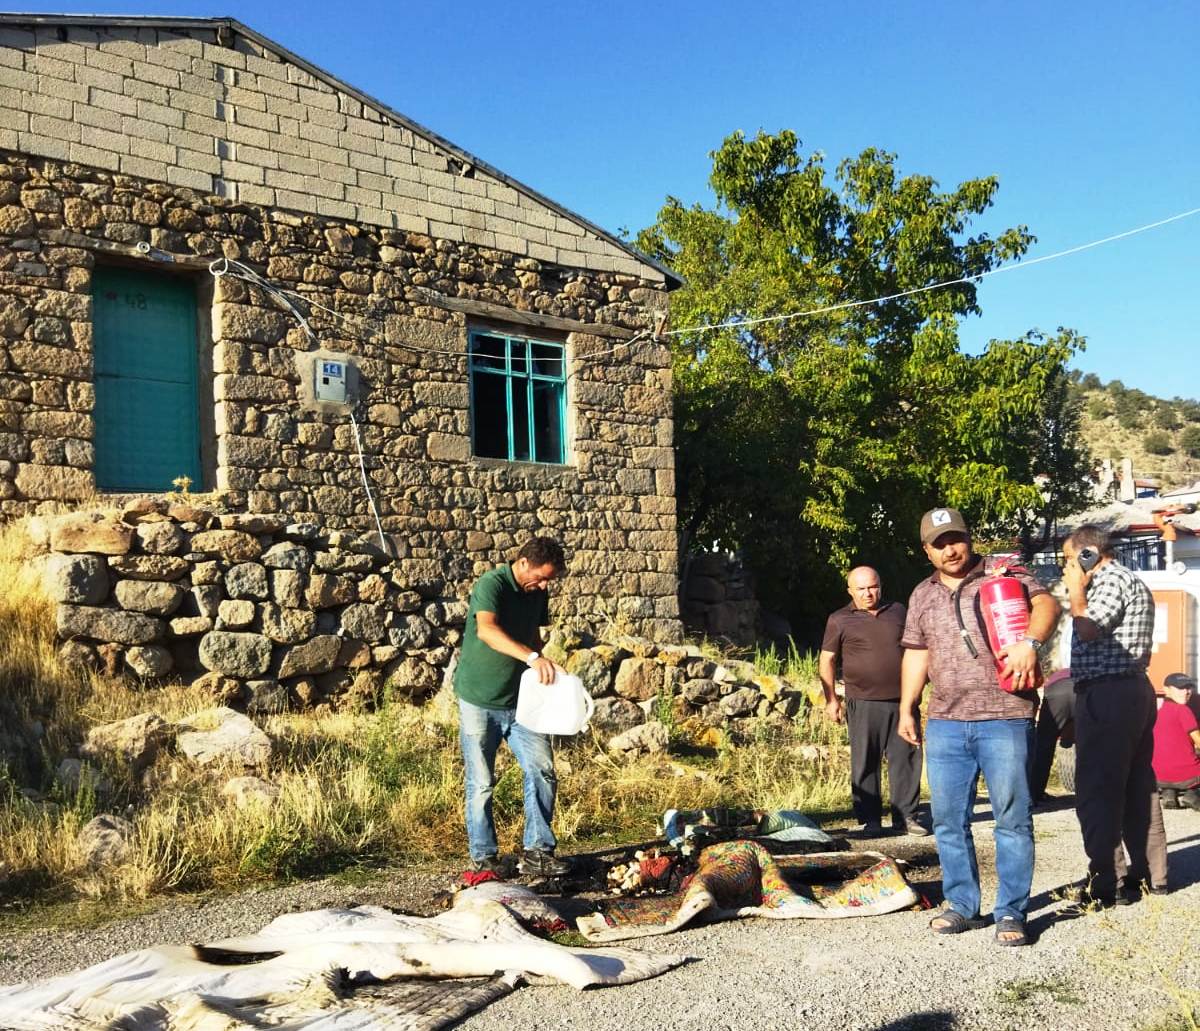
[{"x": 330, "y": 380}]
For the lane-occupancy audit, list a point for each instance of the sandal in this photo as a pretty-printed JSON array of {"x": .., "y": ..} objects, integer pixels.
[
  {"x": 954, "y": 922},
  {"x": 1011, "y": 925}
]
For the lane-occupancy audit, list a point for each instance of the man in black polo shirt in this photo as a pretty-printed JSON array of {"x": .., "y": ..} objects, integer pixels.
[{"x": 864, "y": 637}]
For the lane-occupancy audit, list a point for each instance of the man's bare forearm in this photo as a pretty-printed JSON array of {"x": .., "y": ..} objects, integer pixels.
[
  {"x": 825, "y": 670},
  {"x": 914, "y": 674}
]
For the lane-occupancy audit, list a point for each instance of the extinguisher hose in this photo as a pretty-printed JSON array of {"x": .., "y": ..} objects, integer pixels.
[{"x": 962, "y": 626}]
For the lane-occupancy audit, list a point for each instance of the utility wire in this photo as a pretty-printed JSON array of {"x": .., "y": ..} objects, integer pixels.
[{"x": 742, "y": 323}]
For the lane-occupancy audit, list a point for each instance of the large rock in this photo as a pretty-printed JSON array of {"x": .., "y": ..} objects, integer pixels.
[
  {"x": 160, "y": 538},
  {"x": 90, "y": 532},
  {"x": 221, "y": 735},
  {"x": 77, "y": 579},
  {"x": 286, "y": 555},
  {"x": 220, "y": 688},
  {"x": 154, "y": 597},
  {"x": 699, "y": 692},
  {"x": 148, "y": 567},
  {"x": 287, "y": 588},
  {"x": 411, "y": 633},
  {"x": 190, "y": 626},
  {"x": 616, "y": 714},
  {"x": 639, "y": 679},
  {"x": 328, "y": 589},
  {"x": 247, "y": 792},
  {"x": 149, "y": 661},
  {"x": 287, "y": 626},
  {"x": 208, "y": 599},
  {"x": 266, "y": 697},
  {"x": 741, "y": 702},
  {"x": 235, "y": 654},
  {"x": 137, "y": 739},
  {"x": 231, "y": 545},
  {"x": 315, "y": 656},
  {"x": 235, "y": 614},
  {"x": 247, "y": 580},
  {"x": 592, "y": 667},
  {"x": 365, "y": 622},
  {"x": 412, "y": 677},
  {"x": 252, "y": 522},
  {"x": 103, "y": 841},
  {"x": 111, "y": 625},
  {"x": 647, "y": 738}
]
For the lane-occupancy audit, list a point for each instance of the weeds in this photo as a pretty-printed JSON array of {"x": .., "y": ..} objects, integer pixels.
[
  {"x": 356, "y": 789},
  {"x": 1023, "y": 990}
]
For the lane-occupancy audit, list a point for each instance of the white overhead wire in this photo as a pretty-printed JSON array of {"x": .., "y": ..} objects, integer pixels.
[
  {"x": 285, "y": 298},
  {"x": 741, "y": 323}
]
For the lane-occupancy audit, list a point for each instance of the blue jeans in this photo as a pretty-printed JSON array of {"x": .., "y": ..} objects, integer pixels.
[
  {"x": 956, "y": 752},
  {"x": 480, "y": 732}
]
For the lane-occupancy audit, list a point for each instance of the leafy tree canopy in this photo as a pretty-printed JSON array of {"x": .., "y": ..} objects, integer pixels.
[{"x": 814, "y": 443}]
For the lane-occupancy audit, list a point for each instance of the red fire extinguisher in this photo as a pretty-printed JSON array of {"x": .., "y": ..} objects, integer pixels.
[{"x": 1005, "y": 608}]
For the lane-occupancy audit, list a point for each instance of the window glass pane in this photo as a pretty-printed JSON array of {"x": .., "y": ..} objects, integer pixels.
[
  {"x": 489, "y": 415},
  {"x": 518, "y": 348},
  {"x": 520, "y": 419},
  {"x": 548, "y": 360},
  {"x": 547, "y": 421},
  {"x": 487, "y": 351}
]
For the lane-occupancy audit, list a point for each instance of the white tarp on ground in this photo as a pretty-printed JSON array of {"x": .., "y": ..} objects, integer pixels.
[{"x": 304, "y": 971}]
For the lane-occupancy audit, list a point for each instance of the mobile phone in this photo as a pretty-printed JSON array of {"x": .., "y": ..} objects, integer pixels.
[{"x": 1087, "y": 559}]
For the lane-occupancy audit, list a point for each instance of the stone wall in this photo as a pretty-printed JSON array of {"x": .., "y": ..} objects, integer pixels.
[
  {"x": 718, "y": 599},
  {"x": 407, "y": 301},
  {"x": 273, "y": 614}
]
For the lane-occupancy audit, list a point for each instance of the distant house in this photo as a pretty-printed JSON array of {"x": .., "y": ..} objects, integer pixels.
[{"x": 223, "y": 266}]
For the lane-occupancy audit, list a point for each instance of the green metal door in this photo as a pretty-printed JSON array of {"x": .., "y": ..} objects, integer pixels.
[{"x": 147, "y": 414}]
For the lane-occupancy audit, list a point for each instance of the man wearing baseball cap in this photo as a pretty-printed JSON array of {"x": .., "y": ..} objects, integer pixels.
[{"x": 973, "y": 725}]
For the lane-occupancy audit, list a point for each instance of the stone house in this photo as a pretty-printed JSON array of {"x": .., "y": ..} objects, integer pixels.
[{"x": 220, "y": 263}]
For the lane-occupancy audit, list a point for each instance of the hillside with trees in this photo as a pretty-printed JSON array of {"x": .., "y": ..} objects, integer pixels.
[{"x": 1161, "y": 436}]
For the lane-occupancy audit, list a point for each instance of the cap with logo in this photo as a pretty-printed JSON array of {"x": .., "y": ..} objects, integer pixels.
[
  {"x": 1181, "y": 681},
  {"x": 938, "y": 521}
]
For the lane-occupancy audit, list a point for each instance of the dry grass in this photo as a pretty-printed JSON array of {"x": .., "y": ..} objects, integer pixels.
[{"x": 356, "y": 788}]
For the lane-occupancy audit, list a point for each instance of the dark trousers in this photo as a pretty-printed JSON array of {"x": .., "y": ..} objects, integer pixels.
[
  {"x": 1116, "y": 795},
  {"x": 1056, "y": 716},
  {"x": 873, "y": 736}
]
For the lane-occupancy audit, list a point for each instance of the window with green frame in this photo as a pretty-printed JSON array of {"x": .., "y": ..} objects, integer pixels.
[{"x": 518, "y": 398}]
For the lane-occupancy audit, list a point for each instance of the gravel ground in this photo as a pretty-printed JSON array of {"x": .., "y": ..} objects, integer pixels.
[{"x": 1082, "y": 974}]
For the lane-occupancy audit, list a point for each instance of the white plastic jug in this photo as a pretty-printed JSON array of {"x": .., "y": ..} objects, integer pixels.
[{"x": 562, "y": 708}]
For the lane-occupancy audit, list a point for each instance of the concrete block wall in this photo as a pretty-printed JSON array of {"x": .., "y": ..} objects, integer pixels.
[{"x": 235, "y": 119}]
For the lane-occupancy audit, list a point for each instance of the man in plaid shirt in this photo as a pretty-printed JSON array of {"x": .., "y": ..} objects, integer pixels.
[{"x": 1115, "y": 789}]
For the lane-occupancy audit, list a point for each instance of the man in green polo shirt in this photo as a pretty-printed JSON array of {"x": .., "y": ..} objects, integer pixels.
[{"x": 503, "y": 638}]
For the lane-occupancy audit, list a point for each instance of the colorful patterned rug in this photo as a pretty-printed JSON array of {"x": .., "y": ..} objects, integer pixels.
[{"x": 741, "y": 878}]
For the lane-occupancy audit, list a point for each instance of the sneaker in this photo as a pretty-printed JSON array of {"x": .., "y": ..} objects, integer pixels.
[
  {"x": 913, "y": 828},
  {"x": 536, "y": 862},
  {"x": 491, "y": 864},
  {"x": 872, "y": 829}
]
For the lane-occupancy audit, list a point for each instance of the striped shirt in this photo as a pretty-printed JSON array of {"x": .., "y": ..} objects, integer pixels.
[{"x": 1122, "y": 607}]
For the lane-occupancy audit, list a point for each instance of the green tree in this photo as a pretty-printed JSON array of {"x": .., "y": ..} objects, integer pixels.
[
  {"x": 1189, "y": 441},
  {"x": 812, "y": 442},
  {"x": 1158, "y": 442},
  {"x": 1166, "y": 418},
  {"x": 1091, "y": 382},
  {"x": 1099, "y": 406}
]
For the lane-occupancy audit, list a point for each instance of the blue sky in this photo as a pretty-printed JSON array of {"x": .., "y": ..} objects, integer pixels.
[{"x": 1087, "y": 112}]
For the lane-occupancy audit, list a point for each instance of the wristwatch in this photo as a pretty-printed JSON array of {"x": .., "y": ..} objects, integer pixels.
[
  {"x": 1033, "y": 642},
  {"x": 531, "y": 658}
]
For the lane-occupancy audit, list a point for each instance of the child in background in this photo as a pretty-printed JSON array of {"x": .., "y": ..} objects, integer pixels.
[{"x": 1176, "y": 741}]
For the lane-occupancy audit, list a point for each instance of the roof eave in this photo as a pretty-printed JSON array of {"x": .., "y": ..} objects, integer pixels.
[{"x": 673, "y": 280}]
